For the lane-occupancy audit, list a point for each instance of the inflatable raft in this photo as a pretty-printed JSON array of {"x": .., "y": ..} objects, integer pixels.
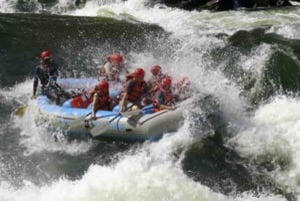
[{"x": 139, "y": 125}]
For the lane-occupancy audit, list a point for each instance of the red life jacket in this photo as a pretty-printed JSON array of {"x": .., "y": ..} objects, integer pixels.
[
  {"x": 137, "y": 91},
  {"x": 168, "y": 97},
  {"x": 103, "y": 99},
  {"x": 80, "y": 101},
  {"x": 168, "y": 94}
]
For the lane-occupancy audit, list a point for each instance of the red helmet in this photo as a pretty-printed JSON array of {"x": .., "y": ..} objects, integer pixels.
[
  {"x": 115, "y": 58},
  {"x": 166, "y": 82},
  {"x": 45, "y": 55},
  {"x": 103, "y": 85},
  {"x": 155, "y": 70},
  {"x": 139, "y": 72}
]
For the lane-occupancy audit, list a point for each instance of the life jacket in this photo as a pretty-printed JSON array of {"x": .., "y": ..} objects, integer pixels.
[
  {"x": 168, "y": 95},
  {"x": 47, "y": 70},
  {"x": 137, "y": 91},
  {"x": 103, "y": 99},
  {"x": 43, "y": 75},
  {"x": 81, "y": 101},
  {"x": 168, "y": 98}
]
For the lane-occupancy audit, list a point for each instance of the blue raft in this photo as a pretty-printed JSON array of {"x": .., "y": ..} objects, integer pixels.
[{"x": 145, "y": 125}]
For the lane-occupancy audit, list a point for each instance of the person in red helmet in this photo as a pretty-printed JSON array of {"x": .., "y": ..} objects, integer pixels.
[
  {"x": 100, "y": 98},
  {"x": 45, "y": 55},
  {"x": 115, "y": 58},
  {"x": 135, "y": 91},
  {"x": 112, "y": 68},
  {"x": 157, "y": 76},
  {"x": 46, "y": 72},
  {"x": 164, "y": 97},
  {"x": 156, "y": 70}
]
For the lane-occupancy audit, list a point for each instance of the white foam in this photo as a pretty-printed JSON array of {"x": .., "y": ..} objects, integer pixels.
[
  {"x": 141, "y": 174},
  {"x": 7, "y": 6},
  {"x": 36, "y": 137},
  {"x": 150, "y": 172},
  {"x": 273, "y": 135},
  {"x": 193, "y": 23}
]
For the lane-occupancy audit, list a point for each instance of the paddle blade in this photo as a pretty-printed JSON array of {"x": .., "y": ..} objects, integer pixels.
[
  {"x": 21, "y": 110},
  {"x": 78, "y": 122},
  {"x": 130, "y": 114},
  {"x": 99, "y": 129}
]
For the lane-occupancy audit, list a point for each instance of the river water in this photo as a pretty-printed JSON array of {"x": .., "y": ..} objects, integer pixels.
[{"x": 248, "y": 61}]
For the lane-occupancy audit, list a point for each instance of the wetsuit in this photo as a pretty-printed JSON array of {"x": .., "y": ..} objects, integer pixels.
[{"x": 45, "y": 72}]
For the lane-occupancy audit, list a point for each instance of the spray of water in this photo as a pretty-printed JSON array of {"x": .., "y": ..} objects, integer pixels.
[
  {"x": 272, "y": 137},
  {"x": 150, "y": 172},
  {"x": 34, "y": 135}
]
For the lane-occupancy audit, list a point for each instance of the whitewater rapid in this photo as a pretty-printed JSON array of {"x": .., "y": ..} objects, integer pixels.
[{"x": 149, "y": 172}]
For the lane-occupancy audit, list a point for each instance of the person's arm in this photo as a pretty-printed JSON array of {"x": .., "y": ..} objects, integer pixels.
[
  {"x": 128, "y": 89},
  {"x": 123, "y": 102},
  {"x": 108, "y": 69},
  {"x": 94, "y": 109},
  {"x": 166, "y": 107}
]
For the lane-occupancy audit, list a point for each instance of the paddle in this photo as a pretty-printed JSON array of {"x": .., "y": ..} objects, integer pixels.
[
  {"x": 21, "y": 110},
  {"x": 78, "y": 121},
  {"x": 100, "y": 129},
  {"x": 130, "y": 114}
]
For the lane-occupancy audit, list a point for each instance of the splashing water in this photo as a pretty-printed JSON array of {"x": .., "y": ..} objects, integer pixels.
[{"x": 150, "y": 172}]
